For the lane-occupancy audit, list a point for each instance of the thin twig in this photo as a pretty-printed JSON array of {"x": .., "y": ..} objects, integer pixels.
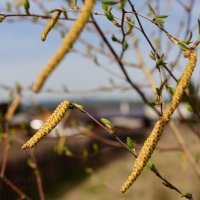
[
  {"x": 122, "y": 66},
  {"x": 153, "y": 169},
  {"x": 158, "y": 56},
  {"x": 5, "y": 149},
  {"x": 14, "y": 188},
  {"x": 38, "y": 16},
  {"x": 38, "y": 177}
]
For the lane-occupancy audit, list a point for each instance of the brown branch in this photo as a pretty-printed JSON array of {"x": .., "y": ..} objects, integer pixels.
[
  {"x": 36, "y": 15},
  {"x": 122, "y": 66},
  {"x": 13, "y": 187},
  {"x": 6, "y": 148},
  {"x": 38, "y": 177}
]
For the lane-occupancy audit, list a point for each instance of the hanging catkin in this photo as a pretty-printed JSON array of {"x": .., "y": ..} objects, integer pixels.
[
  {"x": 152, "y": 140},
  {"x": 50, "y": 25},
  {"x": 66, "y": 45},
  {"x": 12, "y": 108},
  {"x": 48, "y": 126}
]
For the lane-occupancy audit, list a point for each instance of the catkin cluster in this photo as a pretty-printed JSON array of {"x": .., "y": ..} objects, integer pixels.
[
  {"x": 152, "y": 140},
  {"x": 66, "y": 45},
  {"x": 12, "y": 108},
  {"x": 48, "y": 126}
]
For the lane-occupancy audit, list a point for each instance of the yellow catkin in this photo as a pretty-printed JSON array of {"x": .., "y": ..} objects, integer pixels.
[
  {"x": 50, "y": 25},
  {"x": 48, "y": 126},
  {"x": 12, "y": 108},
  {"x": 152, "y": 140},
  {"x": 66, "y": 45}
]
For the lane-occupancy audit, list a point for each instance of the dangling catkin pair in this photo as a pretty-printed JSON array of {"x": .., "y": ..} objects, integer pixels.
[{"x": 68, "y": 41}]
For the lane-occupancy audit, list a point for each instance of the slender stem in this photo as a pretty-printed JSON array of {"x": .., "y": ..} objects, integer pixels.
[
  {"x": 6, "y": 148},
  {"x": 158, "y": 56},
  {"x": 123, "y": 35},
  {"x": 37, "y": 175},
  {"x": 122, "y": 66},
  {"x": 153, "y": 169},
  {"x": 13, "y": 187},
  {"x": 37, "y": 15},
  {"x": 107, "y": 130}
]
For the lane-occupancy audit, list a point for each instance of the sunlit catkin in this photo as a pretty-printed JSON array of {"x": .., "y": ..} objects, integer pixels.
[
  {"x": 50, "y": 25},
  {"x": 48, "y": 126},
  {"x": 152, "y": 140},
  {"x": 66, "y": 45},
  {"x": 12, "y": 108}
]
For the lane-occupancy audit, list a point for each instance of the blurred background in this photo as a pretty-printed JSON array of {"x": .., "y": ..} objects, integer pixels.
[{"x": 79, "y": 159}]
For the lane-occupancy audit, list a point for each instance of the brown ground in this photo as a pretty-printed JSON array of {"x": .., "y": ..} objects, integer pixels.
[{"x": 105, "y": 183}]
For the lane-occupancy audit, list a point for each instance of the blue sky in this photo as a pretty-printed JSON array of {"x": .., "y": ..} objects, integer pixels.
[{"x": 23, "y": 55}]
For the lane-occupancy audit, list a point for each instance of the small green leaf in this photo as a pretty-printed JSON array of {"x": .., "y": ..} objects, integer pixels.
[
  {"x": 114, "y": 39},
  {"x": 189, "y": 107},
  {"x": 160, "y": 62},
  {"x": 152, "y": 103},
  {"x": 96, "y": 61},
  {"x": 150, "y": 165},
  {"x": 53, "y": 10},
  {"x": 158, "y": 91},
  {"x": 26, "y": 6},
  {"x": 152, "y": 55},
  {"x": 187, "y": 195},
  {"x": 95, "y": 147},
  {"x": 152, "y": 10},
  {"x": 73, "y": 4},
  {"x": 115, "y": 23},
  {"x": 89, "y": 170},
  {"x": 131, "y": 24},
  {"x": 109, "y": 2},
  {"x": 107, "y": 123},
  {"x": 163, "y": 16},
  {"x": 108, "y": 14},
  {"x": 183, "y": 46},
  {"x": 130, "y": 143},
  {"x": 64, "y": 12},
  {"x": 30, "y": 163},
  {"x": 85, "y": 154},
  {"x": 125, "y": 45},
  {"x": 159, "y": 21},
  {"x": 122, "y": 4},
  {"x": 104, "y": 6},
  {"x": 188, "y": 41},
  {"x": 171, "y": 90}
]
